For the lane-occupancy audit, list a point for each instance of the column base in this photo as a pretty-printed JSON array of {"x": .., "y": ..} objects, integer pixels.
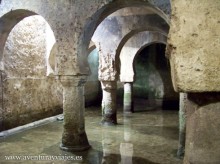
[
  {"x": 108, "y": 123},
  {"x": 128, "y": 109},
  {"x": 109, "y": 120},
  {"x": 180, "y": 152},
  {"x": 74, "y": 148},
  {"x": 74, "y": 142},
  {"x": 128, "y": 112},
  {"x": 181, "y": 146}
]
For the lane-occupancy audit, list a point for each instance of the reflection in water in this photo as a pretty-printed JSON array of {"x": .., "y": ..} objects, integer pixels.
[
  {"x": 126, "y": 148},
  {"x": 110, "y": 150},
  {"x": 148, "y": 137},
  {"x": 108, "y": 142}
]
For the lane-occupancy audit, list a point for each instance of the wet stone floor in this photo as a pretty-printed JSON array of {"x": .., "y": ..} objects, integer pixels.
[{"x": 144, "y": 137}]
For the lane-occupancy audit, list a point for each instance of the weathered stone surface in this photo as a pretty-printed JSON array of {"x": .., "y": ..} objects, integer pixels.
[
  {"x": 202, "y": 128},
  {"x": 111, "y": 35},
  {"x": 182, "y": 124},
  {"x": 28, "y": 95},
  {"x": 109, "y": 103},
  {"x": 107, "y": 67},
  {"x": 28, "y": 100},
  {"x": 1, "y": 99},
  {"x": 194, "y": 45},
  {"x": 25, "y": 49},
  {"x": 29, "y": 56},
  {"x": 75, "y": 27},
  {"x": 74, "y": 136}
]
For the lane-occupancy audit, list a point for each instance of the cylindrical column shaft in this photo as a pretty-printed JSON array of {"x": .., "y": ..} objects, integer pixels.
[
  {"x": 74, "y": 136},
  {"x": 182, "y": 125},
  {"x": 128, "y": 98},
  {"x": 202, "y": 128},
  {"x": 109, "y": 112}
]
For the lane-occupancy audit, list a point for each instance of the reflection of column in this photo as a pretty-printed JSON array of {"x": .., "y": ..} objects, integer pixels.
[
  {"x": 109, "y": 103},
  {"x": 182, "y": 125},
  {"x": 108, "y": 144},
  {"x": 74, "y": 136},
  {"x": 126, "y": 148},
  {"x": 128, "y": 98}
]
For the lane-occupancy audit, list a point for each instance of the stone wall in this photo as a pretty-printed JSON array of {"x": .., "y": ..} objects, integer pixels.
[
  {"x": 28, "y": 95},
  {"x": 118, "y": 28},
  {"x": 202, "y": 128},
  {"x": 193, "y": 49},
  {"x": 194, "y": 45}
]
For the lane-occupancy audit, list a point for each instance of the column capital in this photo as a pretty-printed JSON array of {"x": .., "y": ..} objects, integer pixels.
[
  {"x": 126, "y": 82},
  {"x": 127, "y": 78},
  {"x": 72, "y": 81},
  {"x": 109, "y": 85}
]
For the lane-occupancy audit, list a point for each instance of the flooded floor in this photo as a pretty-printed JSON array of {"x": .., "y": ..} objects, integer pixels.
[{"x": 144, "y": 137}]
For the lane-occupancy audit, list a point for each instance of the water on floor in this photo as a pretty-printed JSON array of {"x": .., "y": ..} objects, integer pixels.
[{"x": 147, "y": 137}]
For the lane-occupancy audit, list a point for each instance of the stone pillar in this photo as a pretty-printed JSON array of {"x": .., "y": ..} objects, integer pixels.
[
  {"x": 128, "y": 98},
  {"x": 182, "y": 125},
  {"x": 109, "y": 112},
  {"x": 202, "y": 128},
  {"x": 74, "y": 136}
]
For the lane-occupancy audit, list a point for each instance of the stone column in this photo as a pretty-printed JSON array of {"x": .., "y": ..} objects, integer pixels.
[
  {"x": 202, "y": 128},
  {"x": 128, "y": 98},
  {"x": 182, "y": 125},
  {"x": 74, "y": 136},
  {"x": 109, "y": 112}
]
